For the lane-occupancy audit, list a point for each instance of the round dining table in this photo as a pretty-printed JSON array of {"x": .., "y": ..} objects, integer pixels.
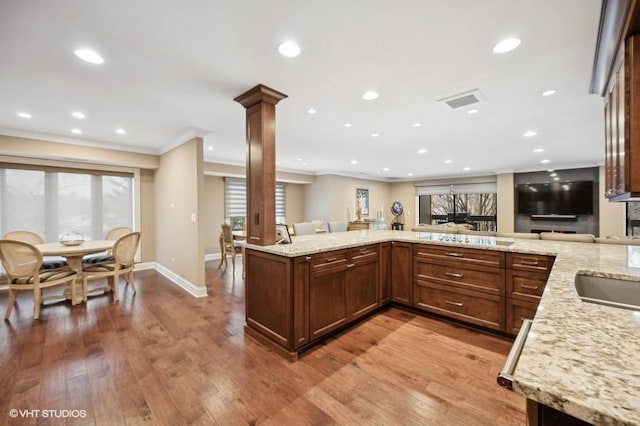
[{"x": 74, "y": 255}]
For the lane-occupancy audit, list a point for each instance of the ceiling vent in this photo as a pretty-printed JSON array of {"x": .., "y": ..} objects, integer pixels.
[{"x": 465, "y": 99}]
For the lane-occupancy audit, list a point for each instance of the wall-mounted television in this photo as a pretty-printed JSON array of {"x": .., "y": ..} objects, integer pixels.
[{"x": 564, "y": 198}]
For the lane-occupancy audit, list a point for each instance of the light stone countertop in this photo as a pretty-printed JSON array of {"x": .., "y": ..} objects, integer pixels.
[{"x": 580, "y": 358}]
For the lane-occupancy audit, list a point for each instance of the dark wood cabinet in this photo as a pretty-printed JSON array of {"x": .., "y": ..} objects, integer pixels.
[
  {"x": 384, "y": 262},
  {"x": 363, "y": 295},
  {"x": 294, "y": 302},
  {"x": 616, "y": 77},
  {"x": 402, "y": 273},
  {"x": 526, "y": 278},
  {"x": 461, "y": 283},
  {"x": 328, "y": 302}
]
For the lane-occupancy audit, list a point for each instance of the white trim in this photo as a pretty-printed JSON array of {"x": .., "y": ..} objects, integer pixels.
[
  {"x": 144, "y": 266},
  {"x": 187, "y": 285},
  {"x": 212, "y": 256},
  {"x": 184, "y": 137},
  {"x": 4, "y": 287}
]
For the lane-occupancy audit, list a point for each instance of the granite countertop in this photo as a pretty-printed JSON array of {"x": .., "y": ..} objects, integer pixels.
[{"x": 581, "y": 358}]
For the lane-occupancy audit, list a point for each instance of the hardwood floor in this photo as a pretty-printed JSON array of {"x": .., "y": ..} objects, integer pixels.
[{"x": 164, "y": 357}]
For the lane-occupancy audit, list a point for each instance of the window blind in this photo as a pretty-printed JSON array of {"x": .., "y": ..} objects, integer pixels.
[{"x": 235, "y": 198}]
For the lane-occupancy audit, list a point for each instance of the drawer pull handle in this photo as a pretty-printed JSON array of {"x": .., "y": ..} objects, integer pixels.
[
  {"x": 529, "y": 262},
  {"x": 351, "y": 265},
  {"x": 458, "y": 304},
  {"x": 454, "y": 274},
  {"x": 454, "y": 254},
  {"x": 308, "y": 258},
  {"x": 529, "y": 287},
  {"x": 331, "y": 259},
  {"x": 364, "y": 251}
]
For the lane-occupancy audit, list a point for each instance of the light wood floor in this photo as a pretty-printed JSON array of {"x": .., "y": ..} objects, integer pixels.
[{"x": 164, "y": 357}]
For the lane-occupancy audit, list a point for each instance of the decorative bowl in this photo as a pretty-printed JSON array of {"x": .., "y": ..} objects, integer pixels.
[{"x": 72, "y": 239}]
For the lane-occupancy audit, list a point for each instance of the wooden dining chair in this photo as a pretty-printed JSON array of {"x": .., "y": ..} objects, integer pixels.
[
  {"x": 124, "y": 252},
  {"x": 107, "y": 257},
  {"x": 23, "y": 265},
  {"x": 228, "y": 245},
  {"x": 48, "y": 262}
]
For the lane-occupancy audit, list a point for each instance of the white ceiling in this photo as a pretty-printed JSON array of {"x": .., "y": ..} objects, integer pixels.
[{"x": 173, "y": 68}]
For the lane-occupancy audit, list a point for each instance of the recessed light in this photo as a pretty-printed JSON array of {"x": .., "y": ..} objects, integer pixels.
[
  {"x": 549, "y": 92},
  {"x": 374, "y": 135},
  {"x": 311, "y": 111},
  {"x": 386, "y": 169},
  {"x": 79, "y": 115},
  {"x": 76, "y": 131},
  {"x": 553, "y": 174},
  {"x": 210, "y": 148},
  {"x": 290, "y": 49},
  {"x": 529, "y": 134},
  {"x": 556, "y": 178},
  {"x": 305, "y": 164},
  {"x": 416, "y": 124},
  {"x": 422, "y": 151},
  {"x": 124, "y": 132},
  {"x": 506, "y": 45},
  {"x": 24, "y": 115},
  {"x": 299, "y": 159},
  {"x": 545, "y": 161},
  {"x": 448, "y": 161},
  {"x": 354, "y": 161},
  {"x": 538, "y": 150},
  {"x": 347, "y": 124},
  {"x": 551, "y": 170},
  {"x": 89, "y": 55},
  {"x": 472, "y": 111},
  {"x": 409, "y": 174},
  {"x": 466, "y": 169},
  {"x": 370, "y": 95}
]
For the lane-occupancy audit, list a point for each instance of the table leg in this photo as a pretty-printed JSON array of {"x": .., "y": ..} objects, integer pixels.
[{"x": 75, "y": 263}]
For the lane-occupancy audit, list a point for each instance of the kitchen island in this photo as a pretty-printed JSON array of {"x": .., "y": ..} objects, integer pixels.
[{"x": 580, "y": 358}]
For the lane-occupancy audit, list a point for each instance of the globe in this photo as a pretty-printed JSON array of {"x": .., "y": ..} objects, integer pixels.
[{"x": 396, "y": 208}]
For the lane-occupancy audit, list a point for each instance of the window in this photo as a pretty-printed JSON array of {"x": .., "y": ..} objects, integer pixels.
[
  {"x": 52, "y": 202},
  {"x": 235, "y": 202},
  {"x": 475, "y": 204}
]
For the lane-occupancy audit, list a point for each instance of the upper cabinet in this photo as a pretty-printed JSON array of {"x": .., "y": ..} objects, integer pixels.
[{"x": 616, "y": 77}]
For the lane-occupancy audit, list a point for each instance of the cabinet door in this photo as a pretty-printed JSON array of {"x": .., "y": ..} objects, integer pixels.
[
  {"x": 402, "y": 273},
  {"x": 362, "y": 287},
  {"x": 327, "y": 300},
  {"x": 385, "y": 272},
  {"x": 517, "y": 312}
]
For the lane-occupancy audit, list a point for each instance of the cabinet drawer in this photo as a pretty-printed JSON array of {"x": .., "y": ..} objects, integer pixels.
[
  {"x": 328, "y": 260},
  {"x": 530, "y": 262},
  {"x": 462, "y": 255},
  {"x": 363, "y": 253},
  {"x": 478, "y": 278},
  {"x": 517, "y": 312},
  {"x": 471, "y": 306},
  {"x": 525, "y": 285}
]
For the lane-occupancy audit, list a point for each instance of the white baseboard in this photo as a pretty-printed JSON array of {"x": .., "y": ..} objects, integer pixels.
[
  {"x": 212, "y": 256},
  {"x": 144, "y": 266},
  {"x": 186, "y": 285}
]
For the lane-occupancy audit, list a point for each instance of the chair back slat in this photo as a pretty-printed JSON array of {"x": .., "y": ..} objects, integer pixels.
[
  {"x": 19, "y": 259},
  {"x": 115, "y": 233},
  {"x": 227, "y": 233},
  {"x": 125, "y": 247},
  {"x": 24, "y": 236}
]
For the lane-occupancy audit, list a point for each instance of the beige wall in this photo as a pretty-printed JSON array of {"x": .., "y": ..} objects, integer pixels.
[
  {"x": 612, "y": 215},
  {"x": 147, "y": 216},
  {"x": 179, "y": 193},
  {"x": 213, "y": 212},
  {"x": 405, "y": 192},
  {"x": 506, "y": 203},
  {"x": 295, "y": 202},
  {"x": 328, "y": 198},
  {"x": 35, "y": 148}
]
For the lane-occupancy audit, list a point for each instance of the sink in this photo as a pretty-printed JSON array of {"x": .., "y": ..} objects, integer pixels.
[{"x": 614, "y": 292}]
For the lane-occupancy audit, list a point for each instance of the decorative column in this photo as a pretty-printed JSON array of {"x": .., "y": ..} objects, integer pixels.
[{"x": 260, "y": 103}]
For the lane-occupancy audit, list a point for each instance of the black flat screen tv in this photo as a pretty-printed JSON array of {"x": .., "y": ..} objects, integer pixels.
[{"x": 565, "y": 198}]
